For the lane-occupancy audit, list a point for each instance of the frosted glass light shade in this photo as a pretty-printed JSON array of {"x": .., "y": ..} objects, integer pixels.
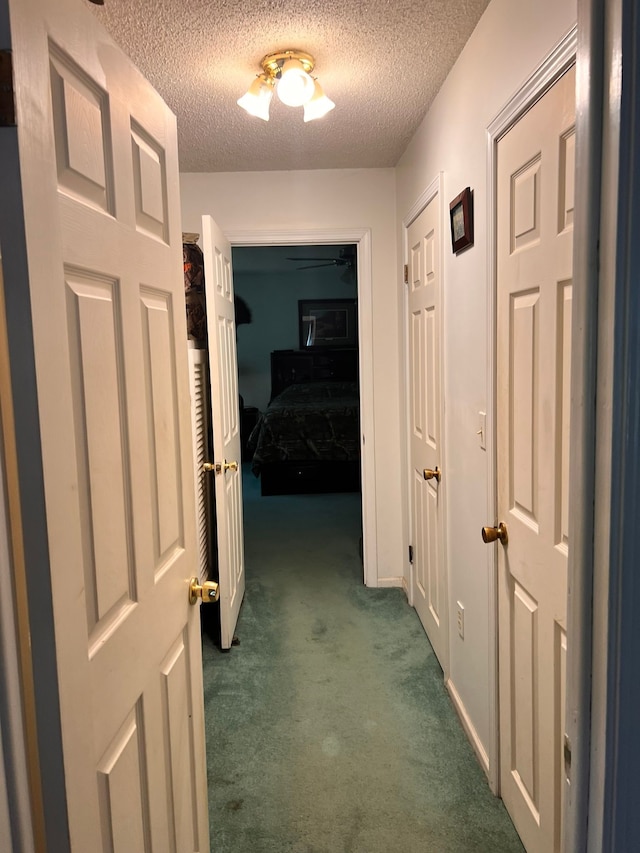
[
  {"x": 319, "y": 105},
  {"x": 295, "y": 86},
  {"x": 257, "y": 98}
]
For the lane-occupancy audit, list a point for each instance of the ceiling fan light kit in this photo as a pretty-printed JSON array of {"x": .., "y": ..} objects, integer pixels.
[{"x": 289, "y": 73}]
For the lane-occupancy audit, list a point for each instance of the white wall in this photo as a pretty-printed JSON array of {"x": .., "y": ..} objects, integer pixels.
[
  {"x": 332, "y": 199},
  {"x": 511, "y": 39}
]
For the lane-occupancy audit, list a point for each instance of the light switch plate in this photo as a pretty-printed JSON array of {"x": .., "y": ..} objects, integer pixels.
[{"x": 482, "y": 430}]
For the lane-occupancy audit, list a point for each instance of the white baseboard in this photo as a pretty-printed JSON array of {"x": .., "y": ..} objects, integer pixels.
[
  {"x": 390, "y": 582},
  {"x": 405, "y": 587},
  {"x": 469, "y": 728}
]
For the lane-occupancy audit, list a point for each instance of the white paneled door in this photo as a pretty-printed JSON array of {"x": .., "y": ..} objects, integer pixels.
[
  {"x": 536, "y": 166},
  {"x": 99, "y": 198},
  {"x": 223, "y": 373},
  {"x": 429, "y": 588}
]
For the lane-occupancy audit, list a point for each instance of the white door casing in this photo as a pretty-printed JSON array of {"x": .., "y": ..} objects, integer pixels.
[
  {"x": 429, "y": 580},
  {"x": 99, "y": 182},
  {"x": 223, "y": 375},
  {"x": 535, "y": 191}
]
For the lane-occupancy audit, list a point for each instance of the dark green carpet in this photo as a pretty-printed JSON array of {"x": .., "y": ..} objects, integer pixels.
[{"x": 328, "y": 728}]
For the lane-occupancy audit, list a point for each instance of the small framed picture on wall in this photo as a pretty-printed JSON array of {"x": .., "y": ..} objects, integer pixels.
[{"x": 461, "y": 215}]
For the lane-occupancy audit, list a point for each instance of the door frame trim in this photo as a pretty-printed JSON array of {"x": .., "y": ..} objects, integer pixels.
[
  {"x": 552, "y": 67},
  {"x": 432, "y": 191},
  {"x": 610, "y": 818},
  {"x": 362, "y": 238},
  {"x": 22, "y": 826},
  {"x": 25, "y": 520}
]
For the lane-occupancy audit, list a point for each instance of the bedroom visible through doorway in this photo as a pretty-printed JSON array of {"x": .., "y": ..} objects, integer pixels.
[
  {"x": 297, "y": 341},
  {"x": 270, "y": 283}
]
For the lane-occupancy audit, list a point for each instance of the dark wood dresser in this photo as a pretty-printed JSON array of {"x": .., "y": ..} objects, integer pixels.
[{"x": 289, "y": 366}]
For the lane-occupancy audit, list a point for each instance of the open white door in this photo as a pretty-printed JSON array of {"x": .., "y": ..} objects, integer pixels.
[
  {"x": 535, "y": 183},
  {"x": 223, "y": 375},
  {"x": 429, "y": 582},
  {"x": 100, "y": 272}
]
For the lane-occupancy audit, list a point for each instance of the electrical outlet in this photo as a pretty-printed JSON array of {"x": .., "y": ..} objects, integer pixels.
[{"x": 460, "y": 620}]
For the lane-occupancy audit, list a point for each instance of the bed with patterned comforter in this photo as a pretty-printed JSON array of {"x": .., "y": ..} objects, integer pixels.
[{"x": 308, "y": 429}]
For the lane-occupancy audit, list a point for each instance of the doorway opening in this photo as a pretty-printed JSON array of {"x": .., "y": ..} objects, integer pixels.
[
  {"x": 297, "y": 348},
  {"x": 342, "y": 274},
  {"x": 297, "y": 344},
  {"x": 301, "y": 385}
]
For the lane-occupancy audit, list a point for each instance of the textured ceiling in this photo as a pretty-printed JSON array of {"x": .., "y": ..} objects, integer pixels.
[{"x": 381, "y": 61}]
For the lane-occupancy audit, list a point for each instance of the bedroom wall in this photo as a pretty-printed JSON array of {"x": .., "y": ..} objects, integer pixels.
[
  {"x": 273, "y": 299},
  {"x": 511, "y": 39},
  {"x": 330, "y": 199}
]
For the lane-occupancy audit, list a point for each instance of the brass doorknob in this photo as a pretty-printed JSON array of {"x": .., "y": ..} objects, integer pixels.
[
  {"x": 209, "y": 591},
  {"x": 432, "y": 474},
  {"x": 219, "y": 467},
  {"x": 491, "y": 534}
]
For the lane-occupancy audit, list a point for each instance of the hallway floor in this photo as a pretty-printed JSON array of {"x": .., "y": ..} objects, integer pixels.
[{"x": 329, "y": 729}]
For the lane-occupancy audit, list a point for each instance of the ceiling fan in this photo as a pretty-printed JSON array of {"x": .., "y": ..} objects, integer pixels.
[{"x": 345, "y": 259}]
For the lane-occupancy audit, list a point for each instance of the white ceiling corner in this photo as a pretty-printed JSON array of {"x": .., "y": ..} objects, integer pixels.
[{"x": 381, "y": 61}]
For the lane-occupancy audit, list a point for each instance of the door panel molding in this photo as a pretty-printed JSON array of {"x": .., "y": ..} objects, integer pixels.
[
  {"x": 362, "y": 238},
  {"x": 541, "y": 80}
]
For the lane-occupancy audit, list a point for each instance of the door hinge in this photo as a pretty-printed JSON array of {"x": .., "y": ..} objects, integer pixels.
[
  {"x": 411, "y": 553},
  {"x": 406, "y": 273},
  {"x": 7, "y": 94}
]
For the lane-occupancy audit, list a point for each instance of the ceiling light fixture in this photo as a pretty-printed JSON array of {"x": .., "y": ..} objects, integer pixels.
[{"x": 289, "y": 73}]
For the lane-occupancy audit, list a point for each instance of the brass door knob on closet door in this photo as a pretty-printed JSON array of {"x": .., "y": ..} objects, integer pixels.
[
  {"x": 209, "y": 591},
  {"x": 493, "y": 534},
  {"x": 219, "y": 467},
  {"x": 432, "y": 474}
]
